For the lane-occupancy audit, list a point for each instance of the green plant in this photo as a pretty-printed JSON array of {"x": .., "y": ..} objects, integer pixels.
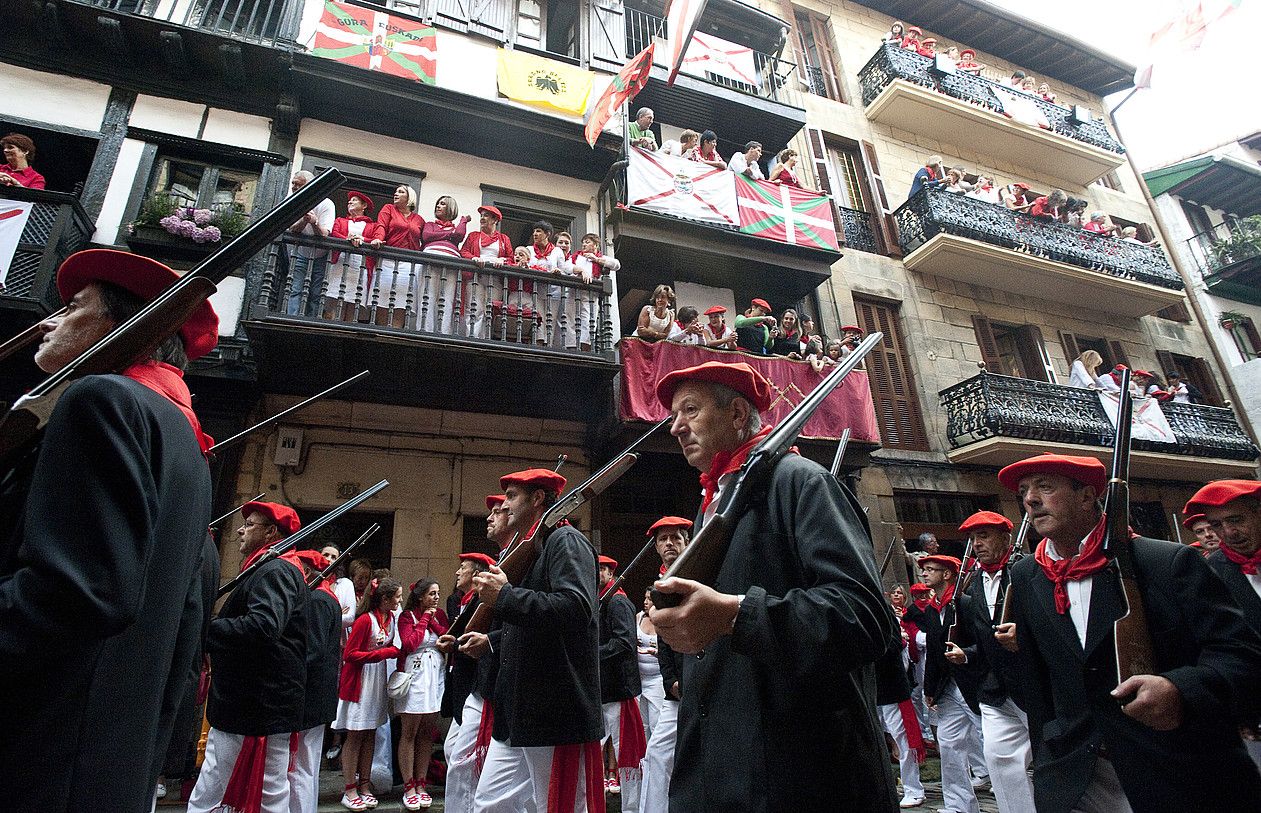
[
  {"x": 1228, "y": 319},
  {"x": 154, "y": 208},
  {"x": 231, "y": 219},
  {"x": 1244, "y": 242}
]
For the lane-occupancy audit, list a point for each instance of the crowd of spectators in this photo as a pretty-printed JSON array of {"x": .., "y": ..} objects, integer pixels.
[{"x": 1143, "y": 384}]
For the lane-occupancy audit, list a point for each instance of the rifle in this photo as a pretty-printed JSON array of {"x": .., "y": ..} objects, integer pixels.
[
  {"x": 1017, "y": 553},
  {"x": 888, "y": 554},
  {"x": 341, "y": 557},
  {"x": 703, "y": 557},
  {"x": 840, "y": 453},
  {"x": 219, "y": 519},
  {"x": 1177, "y": 526},
  {"x": 27, "y": 336},
  {"x": 607, "y": 595},
  {"x": 961, "y": 587},
  {"x": 1131, "y": 636},
  {"x": 266, "y": 422},
  {"x": 517, "y": 562},
  {"x": 161, "y": 318},
  {"x": 290, "y": 542}
]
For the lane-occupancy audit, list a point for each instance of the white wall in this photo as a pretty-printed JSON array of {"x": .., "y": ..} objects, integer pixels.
[{"x": 53, "y": 98}]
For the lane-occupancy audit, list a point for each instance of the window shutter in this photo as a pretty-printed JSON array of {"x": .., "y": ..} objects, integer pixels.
[
  {"x": 1167, "y": 363},
  {"x": 827, "y": 61},
  {"x": 892, "y": 385},
  {"x": 1069, "y": 343},
  {"x": 486, "y": 17},
  {"x": 1201, "y": 374},
  {"x": 1033, "y": 353},
  {"x": 989, "y": 346},
  {"x": 823, "y": 174},
  {"x": 888, "y": 228},
  {"x": 608, "y": 34},
  {"x": 1118, "y": 354},
  {"x": 453, "y": 14}
]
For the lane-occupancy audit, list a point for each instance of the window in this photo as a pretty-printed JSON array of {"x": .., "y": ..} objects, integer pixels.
[
  {"x": 892, "y": 385},
  {"x": 1175, "y": 313},
  {"x": 202, "y": 185},
  {"x": 548, "y": 25},
  {"x": 1111, "y": 181},
  {"x": 1014, "y": 350},
  {"x": 849, "y": 173},
  {"x": 1198, "y": 374},
  {"x": 819, "y": 67},
  {"x": 377, "y": 181},
  {"x": 1111, "y": 352},
  {"x": 1247, "y": 342},
  {"x": 847, "y": 185},
  {"x": 490, "y": 18},
  {"x": 520, "y": 211}
]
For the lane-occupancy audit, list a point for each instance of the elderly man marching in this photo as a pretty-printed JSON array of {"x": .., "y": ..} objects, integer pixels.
[
  {"x": 1004, "y": 726},
  {"x": 547, "y": 721},
  {"x": 786, "y": 638},
  {"x": 1233, "y": 511},
  {"x": 1166, "y": 741}
]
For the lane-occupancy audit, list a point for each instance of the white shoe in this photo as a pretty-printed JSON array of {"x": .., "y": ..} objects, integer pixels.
[
  {"x": 911, "y": 801},
  {"x": 425, "y": 800},
  {"x": 353, "y": 804},
  {"x": 979, "y": 782},
  {"x": 160, "y": 793}
]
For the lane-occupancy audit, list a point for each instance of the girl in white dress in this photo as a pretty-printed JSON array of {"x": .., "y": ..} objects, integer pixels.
[
  {"x": 655, "y": 320},
  {"x": 419, "y": 626},
  {"x": 652, "y": 691},
  {"x": 362, "y": 705}
]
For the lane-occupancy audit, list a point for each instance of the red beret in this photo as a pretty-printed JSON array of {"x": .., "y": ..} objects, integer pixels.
[
  {"x": 915, "y": 28},
  {"x": 478, "y": 557},
  {"x": 1021, "y": 185},
  {"x": 851, "y": 329},
  {"x": 534, "y": 478},
  {"x": 986, "y": 519},
  {"x": 715, "y": 309},
  {"x": 740, "y": 377},
  {"x": 1142, "y": 373},
  {"x": 284, "y": 517},
  {"x": 941, "y": 559},
  {"x": 608, "y": 561},
  {"x": 967, "y": 52},
  {"x": 368, "y": 205},
  {"x": 1220, "y": 492},
  {"x": 1082, "y": 469},
  {"x": 146, "y": 279},
  {"x": 1191, "y": 520},
  {"x": 492, "y": 211},
  {"x": 920, "y": 587},
  {"x": 493, "y": 501},
  {"x": 313, "y": 558},
  {"x": 669, "y": 522},
  {"x": 763, "y": 304}
]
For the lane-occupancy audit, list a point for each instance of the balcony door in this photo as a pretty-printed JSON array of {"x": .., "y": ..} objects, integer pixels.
[
  {"x": 1014, "y": 350},
  {"x": 892, "y": 384}
]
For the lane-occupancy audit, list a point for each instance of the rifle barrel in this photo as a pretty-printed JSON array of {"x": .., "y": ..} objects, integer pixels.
[
  {"x": 219, "y": 519},
  {"x": 26, "y": 336},
  {"x": 617, "y": 583},
  {"x": 341, "y": 557},
  {"x": 840, "y": 453},
  {"x": 266, "y": 422}
]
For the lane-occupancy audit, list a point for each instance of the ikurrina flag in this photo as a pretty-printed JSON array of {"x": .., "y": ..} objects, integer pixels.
[
  {"x": 681, "y": 188},
  {"x": 628, "y": 82},
  {"x": 377, "y": 41},
  {"x": 786, "y": 214}
]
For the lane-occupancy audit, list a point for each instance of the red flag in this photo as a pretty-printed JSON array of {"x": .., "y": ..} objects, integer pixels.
[
  {"x": 624, "y": 87},
  {"x": 682, "y": 18},
  {"x": 377, "y": 41}
]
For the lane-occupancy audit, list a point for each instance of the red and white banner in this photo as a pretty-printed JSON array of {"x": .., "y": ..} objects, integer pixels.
[
  {"x": 1148, "y": 421},
  {"x": 799, "y": 217},
  {"x": 681, "y": 188},
  {"x": 709, "y": 54},
  {"x": 13, "y": 217},
  {"x": 682, "y": 17},
  {"x": 849, "y": 405}
]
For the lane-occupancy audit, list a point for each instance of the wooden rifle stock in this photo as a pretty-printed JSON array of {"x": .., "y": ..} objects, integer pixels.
[
  {"x": 316, "y": 578},
  {"x": 266, "y": 422},
  {"x": 1131, "y": 636},
  {"x": 1017, "y": 552},
  {"x": 703, "y": 556},
  {"x": 161, "y": 318}
]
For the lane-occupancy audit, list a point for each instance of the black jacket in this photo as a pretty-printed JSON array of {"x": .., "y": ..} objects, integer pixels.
[
  {"x": 548, "y": 689},
  {"x": 101, "y": 535},
  {"x": 323, "y": 658},
  {"x": 892, "y": 684},
  {"x": 939, "y": 672},
  {"x": 461, "y": 674},
  {"x": 993, "y": 669},
  {"x": 671, "y": 664},
  {"x": 258, "y": 647},
  {"x": 619, "y": 662},
  {"x": 1202, "y": 644},
  {"x": 792, "y": 689},
  {"x": 1246, "y": 599}
]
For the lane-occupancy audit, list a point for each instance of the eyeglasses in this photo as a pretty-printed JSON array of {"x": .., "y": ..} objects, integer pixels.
[
  {"x": 251, "y": 524},
  {"x": 931, "y": 569}
]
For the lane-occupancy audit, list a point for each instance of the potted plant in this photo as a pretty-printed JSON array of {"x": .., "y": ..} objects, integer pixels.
[
  {"x": 1244, "y": 242},
  {"x": 163, "y": 227},
  {"x": 1228, "y": 319}
]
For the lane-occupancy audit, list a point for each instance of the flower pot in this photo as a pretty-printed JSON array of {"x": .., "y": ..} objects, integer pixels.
[{"x": 157, "y": 243}]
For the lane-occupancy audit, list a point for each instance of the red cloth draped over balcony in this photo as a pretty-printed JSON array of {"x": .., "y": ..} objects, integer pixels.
[{"x": 644, "y": 363}]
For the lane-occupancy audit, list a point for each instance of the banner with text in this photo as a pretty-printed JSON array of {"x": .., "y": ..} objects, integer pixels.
[
  {"x": 543, "y": 82},
  {"x": 377, "y": 41}
]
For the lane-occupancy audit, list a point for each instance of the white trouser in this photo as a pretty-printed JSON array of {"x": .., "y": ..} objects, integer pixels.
[
  {"x": 659, "y": 761},
  {"x": 926, "y": 716},
  {"x": 1005, "y": 730},
  {"x": 1254, "y": 750},
  {"x": 954, "y": 736},
  {"x": 517, "y": 780},
  {"x": 222, "y": 749},
  {"x": 976, "y": 752},
  {"x": 650, "y": 700},
  {"x": 907, "y": 763},
  {"x": 584, "y": 312},
  {"x": 631, "y": 780},
  {"x": 1104, "y": 794},
  {"x": 461, "y": 761},
  {"x": 382, "y": 772},
  {"x": 612, "y": 724},
  {"x": 392, "y": 284},
  {"x": 304, "y": 779},
  {"x": 437, "y": 297}
]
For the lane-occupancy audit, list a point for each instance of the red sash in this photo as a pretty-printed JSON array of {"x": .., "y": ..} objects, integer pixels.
[
  {"x": 567, "y": 760},
  {"x": 914, "y": 737},
  {"x": 631, "y": 745},
  {"x": 244, "y": 793}
]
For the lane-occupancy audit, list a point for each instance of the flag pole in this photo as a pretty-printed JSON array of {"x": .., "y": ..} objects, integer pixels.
[{"x": 626, "y": 128}]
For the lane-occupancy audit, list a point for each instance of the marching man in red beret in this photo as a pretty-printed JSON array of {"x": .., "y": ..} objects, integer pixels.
[
  {"x": 102, "y": 544},
  {"x": 1004, "y": 726},
  {"x": 547, "y": 720},
  {"x": 258, "y": 647},
  {"x": 786, "y": 638},
  {"x": 1175, "y": 744}
]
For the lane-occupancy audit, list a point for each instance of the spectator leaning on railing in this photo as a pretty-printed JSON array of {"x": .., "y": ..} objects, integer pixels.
[
  {"x": 19, "y": 151},
  {"x": 746, "y": 163}
]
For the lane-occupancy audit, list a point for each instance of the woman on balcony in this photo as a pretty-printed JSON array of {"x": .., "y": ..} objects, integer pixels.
[
  {"x": 656, "y": 320},
  {"x": 16, "y": 170},
  {"x": 707, "y": 152},
  {"x": 1085, "y": 371},
  {"x": 984, "y": 189},
  {"x": 896, "y": 32},
  {"x": 786, "y": 169},
  {"x": 442, "y": 235},
  {"x": 788, "y": 342},
  {"x": 911, "y": 41},
  {"x": 486, "y": 246},
  {"x": 967, "y": 62},
  {"x": 400, "y": 227},
  {"x": 349, "y": 279}
]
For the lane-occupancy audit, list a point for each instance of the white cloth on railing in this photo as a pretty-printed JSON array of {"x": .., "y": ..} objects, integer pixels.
[
  {"x": 1148, "y": 422},
  {"x": 13, "y": 216}
]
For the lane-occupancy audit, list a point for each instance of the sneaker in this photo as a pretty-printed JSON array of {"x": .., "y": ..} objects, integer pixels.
[
  {"x": 614, "y": 787},
  {"x": 425, "y": 800},
  {"x": 911, "y": 801},
  {"x": 160, "y": 792}
]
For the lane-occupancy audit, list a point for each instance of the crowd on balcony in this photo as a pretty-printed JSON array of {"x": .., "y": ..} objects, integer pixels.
[
  {"x": 19, "y": 152},
  {"x": 1143, "y": 384}
]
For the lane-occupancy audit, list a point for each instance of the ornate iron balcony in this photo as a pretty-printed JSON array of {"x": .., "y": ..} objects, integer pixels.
[
  {"x": 267, "y": 22},
  {"x": 935, "y": 211},
  {"x": 892, "y": 62},
  {"x": 56, "y": 227},
  {"x": 989, "y": 405},
  {"x": 860, "y": 230}
]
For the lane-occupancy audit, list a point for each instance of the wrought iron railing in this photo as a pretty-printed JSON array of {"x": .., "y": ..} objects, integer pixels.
[
  {"x": 1225, "y": 244},
  {"x": 935, "y": 211},
  {"x": 56, "y": 227},
  {"x": 330, "y": 281},
  {"x": 891, "y": 63},
  {"x": 267, "y": 22},
  {"x": 990, "y": 405},
  {"x": 860, "y": 230},
  {"x": 770, "y": 73}
]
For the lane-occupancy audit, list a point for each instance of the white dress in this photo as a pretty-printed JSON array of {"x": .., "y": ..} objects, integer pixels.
[
  {"x": 424, "y": 694},
  {"x": 652, "y": 692},
  {"x": 371, "y": 710}
]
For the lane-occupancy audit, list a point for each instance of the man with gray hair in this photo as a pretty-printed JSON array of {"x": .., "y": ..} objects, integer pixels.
[
  {"x": 641, "y": 134},
  {"x": 308, "y": 263},
  {"x": 786, "y": 638}
]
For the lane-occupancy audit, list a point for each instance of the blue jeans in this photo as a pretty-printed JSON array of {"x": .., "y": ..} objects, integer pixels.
[{"x": 315, "y": 296}]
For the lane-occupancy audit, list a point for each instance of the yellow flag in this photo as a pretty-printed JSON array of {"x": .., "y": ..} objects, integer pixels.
[{"x": 544, "y": 82}]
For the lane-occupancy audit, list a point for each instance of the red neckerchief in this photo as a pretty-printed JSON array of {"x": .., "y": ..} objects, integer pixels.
[
  {"x": 922, "y": 603},
  {"x": 940, "y": 603},
  {"x": 997, "y": 566},
  {"x": 663, "y": 569},
  {"x": 547, "y": 251},
  {"x": 604, "y": 592},
  {"x": 1115, "y": 377},
  {"x": 466, "y": 598},
  {"x": 290, "y": 556},
  {"x": 445, "y": 225},
  {"x": 168, "y": 382},
  {"x": 720, "y": 334},
  {"x": 1062, "y": 571},
  {"x": 386, "y": 629},
  {"x": 1247, "y": 564},
  {"x": 725, "y": 463}
]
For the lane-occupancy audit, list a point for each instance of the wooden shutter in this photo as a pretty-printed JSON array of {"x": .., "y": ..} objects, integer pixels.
[
  {"x": 1118, "y": 354},
  {"x": 607, "y": 34},
  {"x": 1167, "y": 363},
  {"x": 1069, "y": 343},
  {"x": 823, "y": 173},
  {"x": 989, "y": 345},
  {"x": 892, "y": 385},
  {"x": 1033, "y": 353},
  {"x": 887, "y": 227},
  {"x": 487, "y": 17},
  {"x": 1201, "y": 374},
  {"x": 452, "y": 13},
  {"x": 827, "y": 60}
]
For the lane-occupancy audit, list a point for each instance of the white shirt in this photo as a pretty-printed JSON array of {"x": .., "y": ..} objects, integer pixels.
[
  {"x": 1255, "y": 581},
  {"x": 991, "y": 582},
  {"x": 1107, "y": 383},
  {"x": 1080, "y": 377},
  {"x": 344, "y": 590},
  {"x": 325, "y": 214},
  {"x": 1078, "y": 596},
  {"x": 739, "y": 163},
  {"x": 712, "y": 508},
  {"x": 681, "y": 336}
]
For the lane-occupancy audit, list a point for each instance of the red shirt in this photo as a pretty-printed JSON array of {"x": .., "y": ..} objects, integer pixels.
[
  {"x": 472, "y": 248},
  {"x": 360, "y": 649},
  {"x": 412, "y": 627},
  {"x": 400, "y": 230},
  {"x": 787, "y": 178},
  {"x": 443, "y": 231},
  {"x": 25, "y": 177},
  {"x": 1040, "y": 208}
]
